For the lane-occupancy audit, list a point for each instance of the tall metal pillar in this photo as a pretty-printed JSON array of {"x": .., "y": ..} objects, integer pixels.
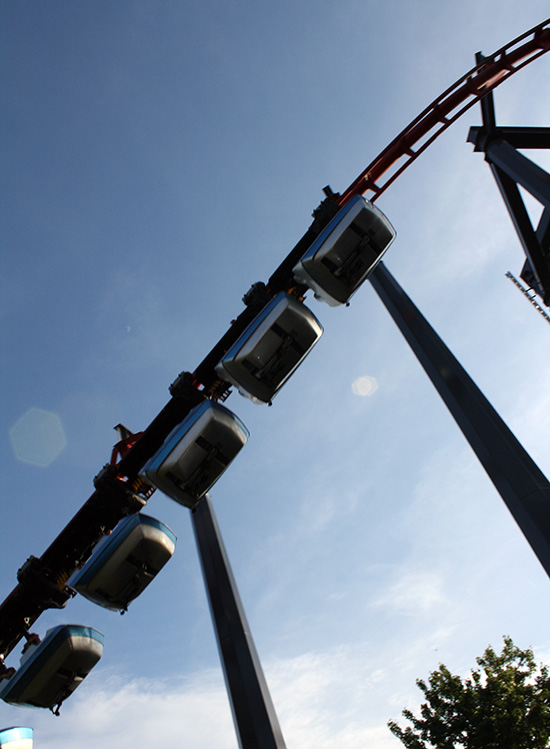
[
  {"x": 254, "y": 716},
  {"x": 517, "y": 478}
]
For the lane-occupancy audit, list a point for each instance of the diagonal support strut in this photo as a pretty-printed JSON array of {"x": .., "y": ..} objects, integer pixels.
[{"x": 512, "y": 169}]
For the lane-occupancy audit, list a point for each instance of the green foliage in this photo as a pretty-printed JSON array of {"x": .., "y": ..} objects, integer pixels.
[{"x": 505, "y": 704}]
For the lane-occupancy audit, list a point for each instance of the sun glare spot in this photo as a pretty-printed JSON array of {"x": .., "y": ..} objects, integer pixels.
[
  {"x": 365, "y": 386},
  {"x": 38, "y": 437}
]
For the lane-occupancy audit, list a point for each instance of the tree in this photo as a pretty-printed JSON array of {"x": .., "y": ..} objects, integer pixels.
[{"x": 505, "y": 704}]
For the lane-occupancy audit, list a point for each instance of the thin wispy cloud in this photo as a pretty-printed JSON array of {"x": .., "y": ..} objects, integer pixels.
[
  {"x": 317, "y": 706},
  {"x": 414, "y": 594}
]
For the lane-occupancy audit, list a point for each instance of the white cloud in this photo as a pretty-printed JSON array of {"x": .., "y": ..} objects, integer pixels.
[
  {"x": 318, "y": 706},
  {"x": 415, "y": 593},
  {"x": 141, "y": 713}
]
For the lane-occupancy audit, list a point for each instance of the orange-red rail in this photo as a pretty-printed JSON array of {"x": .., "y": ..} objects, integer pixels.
[{"x": 447, "y": 108}]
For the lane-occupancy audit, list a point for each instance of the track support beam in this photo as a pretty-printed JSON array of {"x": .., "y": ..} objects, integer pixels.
[
  {"x": 519, "y": 481},
  {"x": 254, "y": 715}
]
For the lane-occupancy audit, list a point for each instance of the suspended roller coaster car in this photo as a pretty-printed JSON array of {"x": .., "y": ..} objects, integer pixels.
[
  {"x": 271, "y": 348},
  {"x": 51, "y": 670},
  {"x": 124, "y": 563},
  {"x": 346, "y": 252},
  {"x": 16, "y": 737},
  {"x": 196, "y": 453}
]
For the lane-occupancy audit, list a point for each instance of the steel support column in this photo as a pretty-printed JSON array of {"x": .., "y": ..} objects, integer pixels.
[
  {"x": 517, "y": 478},
  {"x": 255, "y": 719},
  {"x": 512, "y": 169}
]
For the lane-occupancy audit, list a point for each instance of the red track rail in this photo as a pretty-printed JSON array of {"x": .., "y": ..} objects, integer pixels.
[{"x": 447, "y": 108}]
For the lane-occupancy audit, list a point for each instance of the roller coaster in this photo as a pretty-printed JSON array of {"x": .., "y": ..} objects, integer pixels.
[{"x": 123, "y": 486}]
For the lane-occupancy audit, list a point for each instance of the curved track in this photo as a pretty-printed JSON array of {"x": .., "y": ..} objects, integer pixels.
[
  {"x": 119, "y": 491},
  {"x": 446, "y": 109}
]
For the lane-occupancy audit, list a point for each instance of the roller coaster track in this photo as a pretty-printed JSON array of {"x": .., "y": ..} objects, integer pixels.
[
  {"x": 119, "y": 491},
  {"x": 446, "y": 109}
]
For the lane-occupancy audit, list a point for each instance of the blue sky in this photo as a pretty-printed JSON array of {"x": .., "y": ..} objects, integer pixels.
[{"x": 159, "y": 158}]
